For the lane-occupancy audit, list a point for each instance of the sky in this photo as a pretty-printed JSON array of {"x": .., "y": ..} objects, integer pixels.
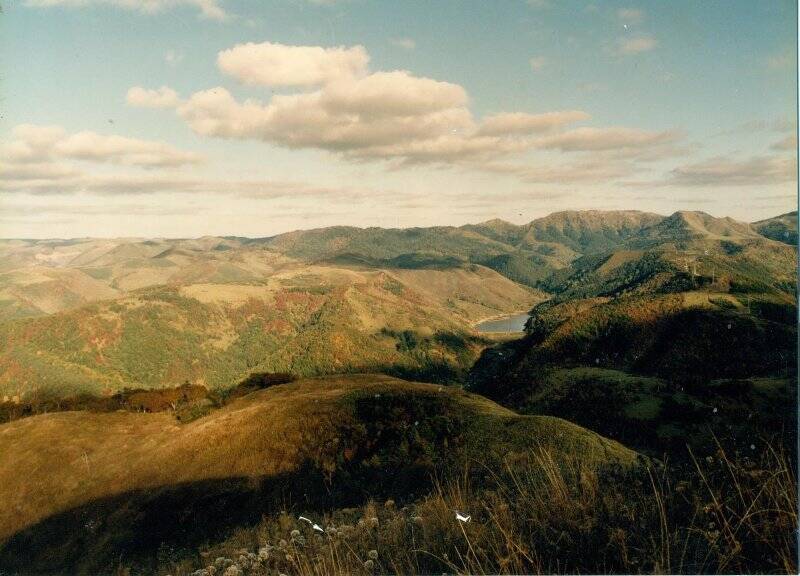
[{"x": 185, "y": 118}]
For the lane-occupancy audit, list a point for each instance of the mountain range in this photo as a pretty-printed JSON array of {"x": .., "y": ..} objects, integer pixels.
[
  {"x": 97, "y": 315},
  {"x": 161, "y": 399}
]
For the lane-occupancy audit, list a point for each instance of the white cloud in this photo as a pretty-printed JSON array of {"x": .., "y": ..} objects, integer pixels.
[
  {"x": 398, "y": 93},
  {"x": 121, "y": 150},
  {"x": 44, "y": 180},
  {"x": 722, "y": 171},
  {"x": 208, "y": 8},
  {"x": 32, "y": 143},
  {"x": 523, "y": 123},
  {"x": 269, "y": 64},
  {"x": 404, "y": 43},
  {"x": 538, "y": 63},
  {"x": 346, "y": 109},
  {"x": 360, "y": 117},
  {"x": 615, "y": 138},
  {"x": 160, "y": 98},
  {"x": 636, "y": 44},
  {"x": 586, "y": 170},
  {"x": 47, "y": 153}
]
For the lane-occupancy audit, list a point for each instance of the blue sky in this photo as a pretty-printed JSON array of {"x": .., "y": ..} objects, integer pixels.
[{"x": 509, "y": 109}]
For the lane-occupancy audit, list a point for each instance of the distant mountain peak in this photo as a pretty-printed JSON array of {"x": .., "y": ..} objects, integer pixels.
[
  {"x": 497, "y": 222},
  {"x": 688, "y": 223}
]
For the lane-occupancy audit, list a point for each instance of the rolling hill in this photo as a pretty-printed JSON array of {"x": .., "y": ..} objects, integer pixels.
[
  {"x": 100, "y": 315},
  {"x": 649, "y": 331},
  {"x": 525, "y": 253},
  {"x": 681, "y": 253},
  {"x": 82, "y": 490},
  {"x": 306, "y": 320},
  {"x": 692, "y": 314},
  {"x": 40, "y": 277}
]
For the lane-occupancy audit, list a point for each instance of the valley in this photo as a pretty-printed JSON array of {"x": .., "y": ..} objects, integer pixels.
[{"x": 195, "y": 396}]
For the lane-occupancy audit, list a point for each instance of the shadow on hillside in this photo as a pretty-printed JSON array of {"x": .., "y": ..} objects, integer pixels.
[
  {"x": 138, "y": 527},
  {"x": 406, "y": 439},
  {"x": 702, "y": 377}
]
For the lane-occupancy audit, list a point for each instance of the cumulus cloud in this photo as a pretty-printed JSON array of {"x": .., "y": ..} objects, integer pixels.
[
  {"x": 636, "y": 44},
  {"x": 722, "y": 171},
  {"x": 121, "y": 150},
  {"x": 210, "y": 9},
  {"x": 269, "y": 64},
  {"x": 159, "y": 98},
  {"x": 32, "y": 144},
  {"x": 46, "y": 159},
  {"x": 345, "y": 108},
  {"x": 334, "y": 102},
  {"x": 360, "y": 116}
]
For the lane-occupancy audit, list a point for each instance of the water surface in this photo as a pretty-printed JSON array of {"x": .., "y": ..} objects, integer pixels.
[{"x": 510, "y": 323}]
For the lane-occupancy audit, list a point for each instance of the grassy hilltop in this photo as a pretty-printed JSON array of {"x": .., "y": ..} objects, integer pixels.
[{"x": 336, "y": 439}]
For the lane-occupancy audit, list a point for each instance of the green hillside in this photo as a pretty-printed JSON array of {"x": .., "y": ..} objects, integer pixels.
[
  {"x": 312, "y": 321},
  {"x": 685, "y": 252},
  {"x": 689, "y": 323},
  {"x": 174, "y": 405},
  {"x": 525, "y": 253}
]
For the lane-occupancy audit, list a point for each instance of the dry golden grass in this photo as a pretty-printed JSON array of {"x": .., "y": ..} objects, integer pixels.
[
  {"x": 542, "y": 516},
  {"x": 476, "y": 294},
  {"x": 55, "y": 462}
]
